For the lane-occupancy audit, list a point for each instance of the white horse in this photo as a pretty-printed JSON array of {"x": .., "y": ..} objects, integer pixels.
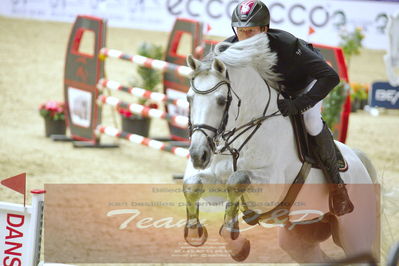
[
  {"x": 230, "y": 93},
  {"x": 392, "y": 57}
]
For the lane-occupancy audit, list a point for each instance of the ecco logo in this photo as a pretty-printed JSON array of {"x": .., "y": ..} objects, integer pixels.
[
  {"x": 297, "y": 14},
  {"x": 195, "y": 8}
]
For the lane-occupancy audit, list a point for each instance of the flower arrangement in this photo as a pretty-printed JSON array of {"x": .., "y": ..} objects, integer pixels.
[
  {"x": 359, "y": 96},
  {"x": 53, "y": 110},
  {"x": 127, "y": 113},
  {"x": 359, "y": 91}
]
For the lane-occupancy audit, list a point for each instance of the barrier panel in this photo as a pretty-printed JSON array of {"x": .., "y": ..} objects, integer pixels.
[
  {"x": 21, "y": 231},
  {"x": 83, "y": 69}
]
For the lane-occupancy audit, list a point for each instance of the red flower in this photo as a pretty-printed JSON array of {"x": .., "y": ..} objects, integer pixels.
[
  {"x": 52, "y": 109},
  {"x": 153, "y": 106}
]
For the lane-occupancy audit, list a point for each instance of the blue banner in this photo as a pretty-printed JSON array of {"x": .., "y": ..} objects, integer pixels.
[{"x": 384, "y": 95}]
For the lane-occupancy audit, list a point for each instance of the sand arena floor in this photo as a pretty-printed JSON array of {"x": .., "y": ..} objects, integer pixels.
[{"x": 32, "y": 62}]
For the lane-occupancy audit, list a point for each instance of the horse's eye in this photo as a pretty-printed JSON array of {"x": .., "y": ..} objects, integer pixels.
[{"x": 221, "y": 100}]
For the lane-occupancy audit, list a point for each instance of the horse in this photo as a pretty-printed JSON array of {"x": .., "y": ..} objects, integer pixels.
[
  {"x": 391, "y": 58},
  {"x": 239, "y": 139}
]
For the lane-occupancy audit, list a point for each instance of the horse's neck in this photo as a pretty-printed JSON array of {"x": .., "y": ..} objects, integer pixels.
[
  {"x": 254, "y": 95},
  {"x": 275, "y": 135}
]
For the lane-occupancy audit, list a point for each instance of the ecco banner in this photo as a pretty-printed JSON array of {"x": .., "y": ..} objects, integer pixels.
[{"x": 328, "y": 18}]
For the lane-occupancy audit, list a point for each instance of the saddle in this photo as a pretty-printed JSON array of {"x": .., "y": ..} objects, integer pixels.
[{"x": 305, "y": 146}]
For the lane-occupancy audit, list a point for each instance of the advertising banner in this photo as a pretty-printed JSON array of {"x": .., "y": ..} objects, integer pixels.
[
  {"x": 384, "y": 95},
  {"x": 20, "y": 231},
  {"x": 329, "y": 19}
]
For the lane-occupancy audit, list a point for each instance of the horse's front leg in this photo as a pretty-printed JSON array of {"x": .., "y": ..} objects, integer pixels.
[
  {"x": 237, "y": 245},
  {"x": 195, "y": 233}
]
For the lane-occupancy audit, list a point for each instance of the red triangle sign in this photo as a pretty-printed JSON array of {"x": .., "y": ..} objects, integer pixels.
[
  {"x": 17, "y": 183},
  {"x": 208, "y": 28},
  {"x": 311, "y": 30}
]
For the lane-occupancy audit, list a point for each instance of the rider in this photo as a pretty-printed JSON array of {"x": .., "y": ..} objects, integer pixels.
[{"x": 306, "y": 79}]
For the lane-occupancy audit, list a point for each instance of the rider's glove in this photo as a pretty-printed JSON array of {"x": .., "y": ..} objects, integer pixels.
[
  {"x": 287, "y": 107},
  {"x": 293, "y": 107}
]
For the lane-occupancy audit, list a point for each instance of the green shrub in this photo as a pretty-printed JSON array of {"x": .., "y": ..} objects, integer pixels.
[
  {"x": 150, "y": 77},
  {"x": 332, "y": 104}
]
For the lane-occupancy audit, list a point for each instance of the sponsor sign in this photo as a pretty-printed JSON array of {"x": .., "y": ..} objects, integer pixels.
[
  {"x": 328, "y": 18},
  {"x": 384, "y": 95},
  {"x": 20, "y": 232}
]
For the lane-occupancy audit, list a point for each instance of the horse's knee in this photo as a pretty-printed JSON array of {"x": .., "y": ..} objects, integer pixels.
[
  {"x": 192, "y": 180},
  {"x": 239, "y": 178},
  {"x": 193, "y": 187},
  {"x": 238, "y": 182}
]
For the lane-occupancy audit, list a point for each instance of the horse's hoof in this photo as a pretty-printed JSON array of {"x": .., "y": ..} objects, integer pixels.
[
  {"x": 196, "y": 236},
  {"x": 243, "y": 253},
  {"x": 234, "y": 234},
  {"x": 251, "y": 217}
]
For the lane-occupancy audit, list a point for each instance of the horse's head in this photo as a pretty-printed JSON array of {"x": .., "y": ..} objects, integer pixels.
[{"x": 209, "y": 98}]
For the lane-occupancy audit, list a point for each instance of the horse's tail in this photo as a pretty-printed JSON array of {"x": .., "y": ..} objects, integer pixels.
[{"x": 368, "y": 164}]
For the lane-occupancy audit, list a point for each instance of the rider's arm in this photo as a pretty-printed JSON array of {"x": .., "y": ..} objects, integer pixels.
[{"x": 313, "y": 65}]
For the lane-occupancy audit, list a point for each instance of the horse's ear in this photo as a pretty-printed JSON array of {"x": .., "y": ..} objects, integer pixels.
[
  {"x": 193, "y": 63},
  {"x": 219, "y": 66}
]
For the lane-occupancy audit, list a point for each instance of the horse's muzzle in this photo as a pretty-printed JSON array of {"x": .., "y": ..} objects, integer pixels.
[{"x": 200, "y": 156}]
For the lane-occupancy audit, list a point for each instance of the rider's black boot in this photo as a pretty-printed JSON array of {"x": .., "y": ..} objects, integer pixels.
[{"x": 339, "y": 201}]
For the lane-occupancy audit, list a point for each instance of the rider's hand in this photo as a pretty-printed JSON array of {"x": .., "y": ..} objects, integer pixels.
[{"x": 287, "y": 107}]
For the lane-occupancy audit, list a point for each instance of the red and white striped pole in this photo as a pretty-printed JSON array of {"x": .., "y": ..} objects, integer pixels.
[
  {"x": 146, "y": 62},
  {"x": 141, "y": 93},
  {"x": 138, "y": 109},
  {"x": 157, "y": 145}
]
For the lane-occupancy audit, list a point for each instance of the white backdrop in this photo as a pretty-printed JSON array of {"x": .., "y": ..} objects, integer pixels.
[{"x": 328, "y": 18}]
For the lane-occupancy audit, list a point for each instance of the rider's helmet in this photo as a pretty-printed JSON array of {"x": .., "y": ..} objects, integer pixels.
[{"x": 250, "y": 13}]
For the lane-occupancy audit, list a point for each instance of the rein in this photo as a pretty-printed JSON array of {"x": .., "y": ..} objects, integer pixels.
[
  {"x": 221, "y": 132},
  {"x": 257, "y": 122}
]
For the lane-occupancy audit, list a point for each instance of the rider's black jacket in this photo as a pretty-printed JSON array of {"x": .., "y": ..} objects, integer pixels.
[{"x": 299, "y": 64}]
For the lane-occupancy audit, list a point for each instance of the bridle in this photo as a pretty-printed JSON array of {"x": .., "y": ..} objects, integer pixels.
[
  {"x": 222, "y": 126},
  {"x": 233, "y": 134}
]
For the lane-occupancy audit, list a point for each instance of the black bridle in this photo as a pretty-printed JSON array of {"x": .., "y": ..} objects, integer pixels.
[{"x": 228, "y": 136}]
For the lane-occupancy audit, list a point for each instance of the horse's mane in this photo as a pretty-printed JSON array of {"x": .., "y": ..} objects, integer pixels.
[{"x": 254, "y": 52}]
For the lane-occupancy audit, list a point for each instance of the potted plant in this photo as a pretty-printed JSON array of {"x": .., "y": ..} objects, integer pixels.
[
  {"x": 359, "y": 96},
  {"x": 150, "y": 79},
  {"x": 54, "y": 117},
  {"x": 351, "y": 42},
  {"x": 332, "y": 106}
]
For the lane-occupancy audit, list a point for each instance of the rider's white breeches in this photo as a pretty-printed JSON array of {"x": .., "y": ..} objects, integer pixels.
[{"x": 312, "y": 117}]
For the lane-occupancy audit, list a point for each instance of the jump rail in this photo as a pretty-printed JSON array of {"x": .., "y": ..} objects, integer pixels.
[
  {"x": 146, "y": 62},
  {"x": 141, "y": 93},
  {"x": 113, "y": 132},
  {"x": 138, "y": 109}
]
